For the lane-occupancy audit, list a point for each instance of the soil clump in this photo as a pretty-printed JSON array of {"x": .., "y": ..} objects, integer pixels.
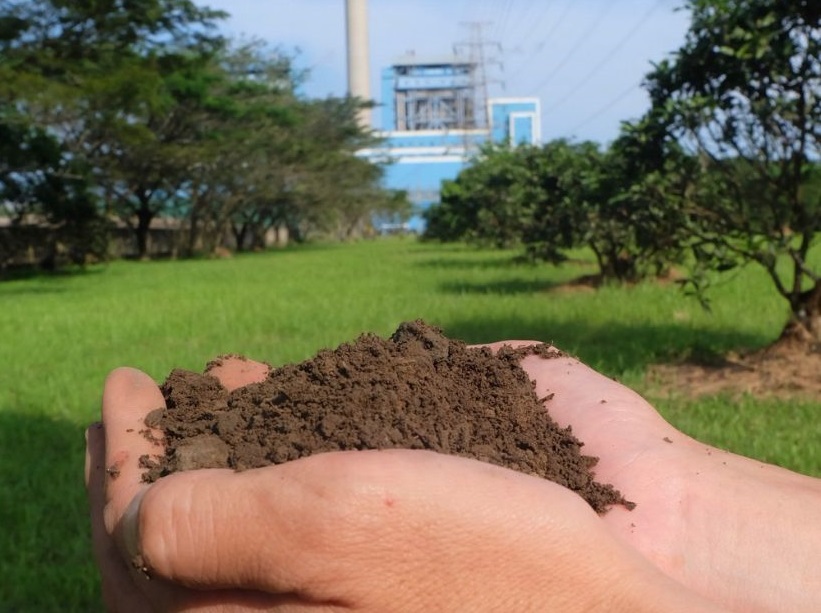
[{"x": 416, "y": 390}]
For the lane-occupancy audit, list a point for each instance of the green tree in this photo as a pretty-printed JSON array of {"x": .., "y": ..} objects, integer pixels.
[
  {"x": 94, "y": 75},
  {"x": 493, "y": 200},
  {"x": 570, "y": 180},
  {"x": 243, "y": 122},
  {"x": 556, "y": 197},
  {"x": 45, "y": 197},
  {"x": 333, "y": 191},
  {"x": 743, "y": 97},
  {"x": 165, "y": 118},
  {"x": 633, "y": 226}
]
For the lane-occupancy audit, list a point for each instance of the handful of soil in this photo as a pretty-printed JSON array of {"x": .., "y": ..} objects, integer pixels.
[{"x": 415, "y": 390}]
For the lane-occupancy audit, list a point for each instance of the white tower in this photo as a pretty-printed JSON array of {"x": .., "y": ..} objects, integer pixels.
[{"x": 356, "y": 16}]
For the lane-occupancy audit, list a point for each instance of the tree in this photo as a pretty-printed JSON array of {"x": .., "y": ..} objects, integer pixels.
[
  {"x": 156, "y": 114},
  {"x": 93, "y": 76},
  {"x": 493, "y": 201},
  {"x": 243, "y": 121},
  {"x": 743, "y": 98},
  {"x": 570, "y": 181},
  {"x": 633, "y": 226},
  {"x": 559, "y": 196},
  {"x": 337, "y": 192},
  {"x": 45, "y": 195}
]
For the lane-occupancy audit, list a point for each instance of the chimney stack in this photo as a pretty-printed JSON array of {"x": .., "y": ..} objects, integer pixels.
[{"x": 356, "y": 14}]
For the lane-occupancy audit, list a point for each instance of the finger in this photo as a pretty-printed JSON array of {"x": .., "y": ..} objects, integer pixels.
[
  {"x": 308, "y": 526},
  {"x": 281, "y": 529},
  {"x": 129, "y": 396},
  {"x": 214, "y": 528},
  {"x": 119, "y": 591},
  {"x": 237, "y": 371}
]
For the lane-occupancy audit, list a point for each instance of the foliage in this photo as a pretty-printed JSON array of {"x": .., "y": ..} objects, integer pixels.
[
  {"x": 39, "y": 180},
  {"x": 79, "y": 75},
  {"x": 143, "y": 110},
  {"x": 724, "y": 166},
  {"x": 557, "y": 197},
  {"x": 743, "y": 97},
  {"x": 492, "y": 200}
]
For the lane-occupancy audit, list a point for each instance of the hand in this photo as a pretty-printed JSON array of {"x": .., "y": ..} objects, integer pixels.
[
  {"x": 374, "y": 530},
  {"x": 744, "y": 534}
]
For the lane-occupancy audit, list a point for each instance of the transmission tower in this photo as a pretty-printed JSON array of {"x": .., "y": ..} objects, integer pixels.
[{"x": 475, "y": 47}]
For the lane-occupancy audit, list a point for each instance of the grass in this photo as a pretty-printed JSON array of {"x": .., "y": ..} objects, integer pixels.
[{"x": 61, "y": 336}]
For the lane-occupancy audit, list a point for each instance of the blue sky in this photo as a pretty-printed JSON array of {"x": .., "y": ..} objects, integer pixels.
[{"x": 584, "y": 59}]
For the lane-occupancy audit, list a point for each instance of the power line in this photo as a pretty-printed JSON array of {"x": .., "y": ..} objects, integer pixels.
[
  {"x": 582, "y": 40},
  {"x": 602, "y": 110},
  {"x": 524, "y": 15},
  {"x": 608, "y": 57},
  {"x": 500, "y": 24},
  {"x": 559, "y": 20},
  {"x": 535, "y": 23}
]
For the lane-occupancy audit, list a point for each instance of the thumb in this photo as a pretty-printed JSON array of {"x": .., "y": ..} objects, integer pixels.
[
  {"x": 367, "y": 528},
  {"x": 266, "y": 529},
  {"x": 203, "y": 529},
  {"x": 321, "y": 526}
]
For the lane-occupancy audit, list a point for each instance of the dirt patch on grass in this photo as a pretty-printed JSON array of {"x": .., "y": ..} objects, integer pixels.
[
  {"x": 584, "y": 284},
  {"x": 783, "y": 370},
  {"x": 415, "y": 390},
  {"x": 591, "y": 282}
]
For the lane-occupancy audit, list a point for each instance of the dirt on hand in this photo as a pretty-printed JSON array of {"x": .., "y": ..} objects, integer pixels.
[{"x": 415, "y": 390}]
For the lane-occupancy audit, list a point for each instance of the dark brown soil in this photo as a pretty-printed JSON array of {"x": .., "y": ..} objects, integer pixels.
[{"x": 416, "y": 390}]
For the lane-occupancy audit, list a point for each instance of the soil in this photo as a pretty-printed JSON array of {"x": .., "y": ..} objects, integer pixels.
[
  {"x": 787, "y": 369},
  {"x": 415, "y": 390},
  {"x": 783, "y": 370}
]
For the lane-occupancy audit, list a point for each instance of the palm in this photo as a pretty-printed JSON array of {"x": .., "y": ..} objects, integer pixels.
[
  {"x": 354, "y": 477},
  {"x": 639, "y": 453}
]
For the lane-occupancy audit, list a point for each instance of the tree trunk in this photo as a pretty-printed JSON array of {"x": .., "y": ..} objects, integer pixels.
[
  {"x": 240, "y": 235},
  {"x": 599, "y": 259},
  {"x": 144, "y": 217},
  {"x": 193, "y": 231},
  {"x": 805, "y": 318}
]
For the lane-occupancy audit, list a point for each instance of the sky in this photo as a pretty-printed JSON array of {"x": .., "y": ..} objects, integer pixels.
[{"x": 584, "y": 59}]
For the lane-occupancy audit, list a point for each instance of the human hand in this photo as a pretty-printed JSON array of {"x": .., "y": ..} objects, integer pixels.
[
  {"x": 379, "y": 530},
  {"x": 744, "y": 534}
]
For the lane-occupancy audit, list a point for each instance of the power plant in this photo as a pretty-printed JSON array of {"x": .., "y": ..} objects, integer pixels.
[{"x": 435, "y": 113}]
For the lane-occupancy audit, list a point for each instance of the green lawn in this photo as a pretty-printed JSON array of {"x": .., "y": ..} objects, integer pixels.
[{"x": 60, "y": 335}]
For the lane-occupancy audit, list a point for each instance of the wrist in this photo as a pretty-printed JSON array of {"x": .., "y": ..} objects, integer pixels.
[
  {"x": 753, "y": 534},
  {"x": 639, "y": 586},
  {"x": 653, "y": 591}
]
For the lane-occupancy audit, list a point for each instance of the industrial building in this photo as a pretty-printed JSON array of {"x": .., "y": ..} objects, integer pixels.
[
  {"x": 433, "y": 121},
  {"x": 435, "y": 114}
]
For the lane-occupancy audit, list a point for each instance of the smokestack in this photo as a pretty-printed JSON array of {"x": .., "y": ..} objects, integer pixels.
[{"x": 356, "y": 15}]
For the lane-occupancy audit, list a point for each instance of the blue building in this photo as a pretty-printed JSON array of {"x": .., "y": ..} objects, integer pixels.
[{"x": 434, "y": 119}]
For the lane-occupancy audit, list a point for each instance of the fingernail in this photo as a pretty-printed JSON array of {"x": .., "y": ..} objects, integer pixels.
[
  {"x": 131, "y": 528},
  {"x": 92, "y": 427}
]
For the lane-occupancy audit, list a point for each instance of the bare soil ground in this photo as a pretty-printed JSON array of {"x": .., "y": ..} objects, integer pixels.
[
  {"x": 786, "y": 369},
  {"x": 790, "y": 368}
]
